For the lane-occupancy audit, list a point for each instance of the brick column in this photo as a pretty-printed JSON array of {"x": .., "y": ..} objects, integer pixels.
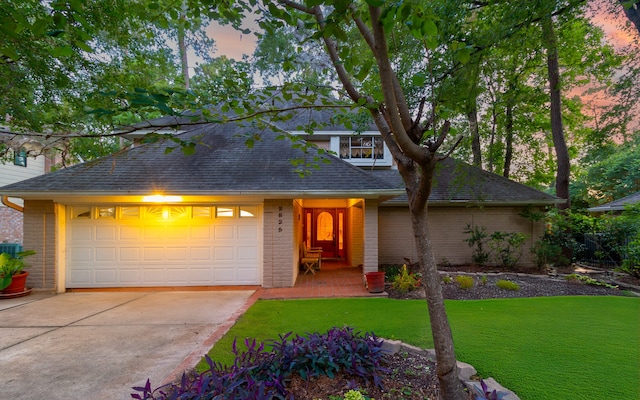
[
  {"x": 39, "y": 235},
  {"x": 370, "y": 236},
  {"x": 278, "y": 268}
]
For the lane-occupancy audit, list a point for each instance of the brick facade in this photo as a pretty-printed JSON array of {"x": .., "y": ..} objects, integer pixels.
[
  {"x": 40, "y": 235},
  {"x": 10, "y": 225},
  {"x": 447, "y": 225}
]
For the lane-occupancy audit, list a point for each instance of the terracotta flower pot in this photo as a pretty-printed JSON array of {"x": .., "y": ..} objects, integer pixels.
[
  {"x": 18, "y": 283},
  {"x": 375, "y": 282}
]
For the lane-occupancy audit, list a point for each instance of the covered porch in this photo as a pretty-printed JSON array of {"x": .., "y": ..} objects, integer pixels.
[{"x": 334, "y": 279}]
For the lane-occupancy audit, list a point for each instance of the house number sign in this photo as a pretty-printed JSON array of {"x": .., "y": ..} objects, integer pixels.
[{"x": 280, "y": 219}]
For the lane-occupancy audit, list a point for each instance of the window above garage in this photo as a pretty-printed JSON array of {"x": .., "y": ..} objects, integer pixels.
[{"x": 161, "y": 212}]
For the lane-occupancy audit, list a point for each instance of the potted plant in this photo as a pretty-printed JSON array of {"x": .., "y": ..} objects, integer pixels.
[{"x": 12, "y": 276}]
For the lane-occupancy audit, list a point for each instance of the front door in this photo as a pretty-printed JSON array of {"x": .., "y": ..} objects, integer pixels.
[{"x": 325, "y": 229}]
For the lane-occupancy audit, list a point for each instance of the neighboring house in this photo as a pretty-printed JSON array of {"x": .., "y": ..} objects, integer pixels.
[
  {"x": 15, "y": 166},
  {"x": 237, "y": 215},
  {"x": 617, "y": 205}
]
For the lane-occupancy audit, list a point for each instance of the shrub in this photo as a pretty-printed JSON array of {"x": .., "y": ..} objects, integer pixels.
[
  {"x": 507, "y": 247},
  {"x": 406, "y": 281},
  {"x": 484, "y": 280},
  {"x": 391, "y": 271},
  {"x": 465, "y": 282},
  {"x": 478, "y": 240},
  {"x": 631, "y": 264},
  {"x": 547, "y": 250},
  {"x": 446, "y": 279},
  {"x": 259, "y": 374},
  {"x": 507, "y": 285}
]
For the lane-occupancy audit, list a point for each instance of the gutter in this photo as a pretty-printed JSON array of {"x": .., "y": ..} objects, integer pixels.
[{"x": 6, "y": 202}]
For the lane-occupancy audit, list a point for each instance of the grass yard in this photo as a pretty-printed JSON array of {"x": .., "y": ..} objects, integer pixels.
[{"x": 541, "y": 348}]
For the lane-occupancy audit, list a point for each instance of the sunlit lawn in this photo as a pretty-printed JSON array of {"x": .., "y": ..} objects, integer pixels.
[{"x": 541, "y": 348}]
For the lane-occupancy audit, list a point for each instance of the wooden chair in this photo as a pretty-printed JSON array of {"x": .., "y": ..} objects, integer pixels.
[{"x": 311, "y": 260}]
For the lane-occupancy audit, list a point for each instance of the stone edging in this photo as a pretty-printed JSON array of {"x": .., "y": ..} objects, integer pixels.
[{"x": 465, "y": 371}]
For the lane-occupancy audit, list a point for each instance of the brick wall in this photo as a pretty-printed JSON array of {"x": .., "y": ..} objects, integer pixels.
[
  {"x": 39, "y": 235},
  {"x": 10, "y": 225},
  {"x": 446, "y": 226},
  {"x": 370, "y": 236},
  {"x": 279, "y": 239}
]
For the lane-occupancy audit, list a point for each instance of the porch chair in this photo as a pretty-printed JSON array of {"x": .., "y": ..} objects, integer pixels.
[{"x": 311, "y": 259}]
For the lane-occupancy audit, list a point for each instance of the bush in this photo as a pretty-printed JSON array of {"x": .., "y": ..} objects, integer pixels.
[
  {"x": 507, "y": 285},
  {"x": 260, "y": 375},
  {"x": 465, "y": 282},
  {"x": 507, "y": 247},
  {"x": 406, "y": 281},
  {"x": 478, "y": 240}
]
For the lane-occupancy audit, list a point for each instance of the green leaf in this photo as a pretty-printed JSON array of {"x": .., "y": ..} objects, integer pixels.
[
  {"x": 463, "y": 55},
  {"x": 419, "y": 79},
  {"x": 10, "y": 52},
  {"x": 62, "y": 51},
  {"x": 429, "y": 27}
]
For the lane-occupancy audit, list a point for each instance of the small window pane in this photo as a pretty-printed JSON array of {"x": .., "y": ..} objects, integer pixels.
[
  {"x": 201, "y": 212},
  {"x": 153, "y": 212},
  {"x": 20, "y": 158},
  {"x": 224, "y": 212},
  {"x": 248, "y": 212},
  {"x": 106, "y": 212},
  {"x": 178, "y": 212},
  {"x": 81, "y": 212},
  {"x": 130, "y": 212}
]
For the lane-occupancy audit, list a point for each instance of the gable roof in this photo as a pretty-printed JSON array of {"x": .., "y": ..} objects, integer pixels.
[
  {"x": 222, "y": 164},
  {"x": 456, "y": 182},
  {"x": 617, "y": 205}
]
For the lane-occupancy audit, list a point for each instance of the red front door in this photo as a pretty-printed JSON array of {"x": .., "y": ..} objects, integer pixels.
[{"x": 325, "y": 228}]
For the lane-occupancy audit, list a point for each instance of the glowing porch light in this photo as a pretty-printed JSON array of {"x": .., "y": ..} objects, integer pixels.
[{"x": 159, "y": 198}]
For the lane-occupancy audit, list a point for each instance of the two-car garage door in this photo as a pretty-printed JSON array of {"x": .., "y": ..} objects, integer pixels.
[{"x": 163, "y": 245}]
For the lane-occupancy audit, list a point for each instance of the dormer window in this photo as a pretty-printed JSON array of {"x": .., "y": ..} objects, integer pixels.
[{"x": 362, "y": 150}]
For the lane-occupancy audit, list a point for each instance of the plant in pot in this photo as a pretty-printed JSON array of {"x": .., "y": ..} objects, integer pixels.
[{"x": 12, "y": 276}]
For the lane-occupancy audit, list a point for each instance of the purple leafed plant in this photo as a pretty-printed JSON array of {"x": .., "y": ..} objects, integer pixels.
[{"x": 260, "y": 375}]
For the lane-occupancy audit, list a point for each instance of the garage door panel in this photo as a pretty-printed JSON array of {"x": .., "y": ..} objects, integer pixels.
[
  {"x": 150, "y": 250},
  {"x": 81, "y": 254},
  {"x": 130, "y": 233},
  {"x": 177, "y": 253},
  {"x": 129, "y": 276},
  {"x": 223, "y": 232},
  {"x": 105, "y": 254},
  {"x": 201, "y": 232},
  {"x": 153, "y": 254},
  {"x": 247, "y": 253},
  {"x": 200, "y": 253},
  {"x": 129, "y": 254},
  {"x": 105, "y": 276},
  {"x": 247, "y": 232},
  {"x": 105, "y": 233}
]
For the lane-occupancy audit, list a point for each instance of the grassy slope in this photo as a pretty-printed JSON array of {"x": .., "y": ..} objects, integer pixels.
[{"x": 542, "y": 348}]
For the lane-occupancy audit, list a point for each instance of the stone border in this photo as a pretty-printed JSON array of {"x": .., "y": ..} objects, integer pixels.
[{"x": 465, "y": 371}]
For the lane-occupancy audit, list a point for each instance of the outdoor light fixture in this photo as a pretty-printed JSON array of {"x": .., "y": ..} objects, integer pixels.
[{"x": 159, "y": 198}]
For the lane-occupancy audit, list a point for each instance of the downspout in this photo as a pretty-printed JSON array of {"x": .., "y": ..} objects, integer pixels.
[{"x": 6, "y": 202}]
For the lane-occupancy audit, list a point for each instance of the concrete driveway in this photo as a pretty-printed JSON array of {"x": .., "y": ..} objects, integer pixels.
[{"x": 98, "y": 345}]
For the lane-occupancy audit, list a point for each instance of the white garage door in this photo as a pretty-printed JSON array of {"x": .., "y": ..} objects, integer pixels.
[{"x": 132, "y": 246}]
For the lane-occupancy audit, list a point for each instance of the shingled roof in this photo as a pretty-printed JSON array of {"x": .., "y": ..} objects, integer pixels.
[
  {"x": 222, "y": 164},
  {"x": 617, "y": 205},
  {"x": 456, "y": 182}
]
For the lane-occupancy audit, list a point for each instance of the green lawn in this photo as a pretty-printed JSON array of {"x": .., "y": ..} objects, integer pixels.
[{"x": 541, "y": 348}]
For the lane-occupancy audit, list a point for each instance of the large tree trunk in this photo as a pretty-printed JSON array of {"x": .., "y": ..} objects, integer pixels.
[
  {"x": 559, "y": 143},
  {"x": 446, "y": 366},
  {"x": 508, "y": 155},
  {"x": 472, "y": 117}
]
